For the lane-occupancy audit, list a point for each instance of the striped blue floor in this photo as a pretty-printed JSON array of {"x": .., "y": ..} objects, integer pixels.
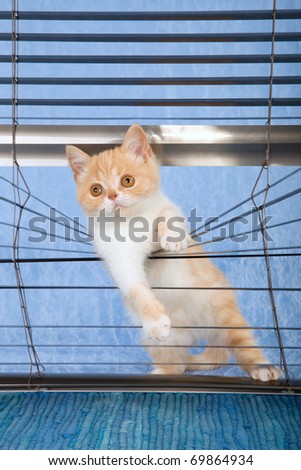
[{"x": 148, "y": 421}]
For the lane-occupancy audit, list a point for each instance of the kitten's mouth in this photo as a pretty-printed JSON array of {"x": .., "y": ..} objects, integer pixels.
[{"x": 116, "y": 205}]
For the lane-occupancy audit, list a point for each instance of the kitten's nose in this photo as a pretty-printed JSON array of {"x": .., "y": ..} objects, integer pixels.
[{"x": 112, "y": 195}]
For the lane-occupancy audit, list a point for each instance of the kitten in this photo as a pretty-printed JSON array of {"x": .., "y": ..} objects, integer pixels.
[{"x": 119, "y": 188}]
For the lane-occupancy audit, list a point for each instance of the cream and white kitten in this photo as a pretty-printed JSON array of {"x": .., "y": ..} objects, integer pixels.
[{"x": 120, "y": 190}]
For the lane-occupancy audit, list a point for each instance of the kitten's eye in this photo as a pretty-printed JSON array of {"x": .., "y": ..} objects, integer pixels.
[
  {"x": 128, "y": 181},
  {"x": 96, "y": 190}
]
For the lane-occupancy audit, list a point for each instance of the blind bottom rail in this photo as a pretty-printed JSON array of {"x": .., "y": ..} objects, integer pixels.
[{"x": 145, "y": 383}]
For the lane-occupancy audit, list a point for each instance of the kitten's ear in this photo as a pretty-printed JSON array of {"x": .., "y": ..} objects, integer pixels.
[
  {"x": 78, "y": 160},
  {"x": 136, "y": 142}
]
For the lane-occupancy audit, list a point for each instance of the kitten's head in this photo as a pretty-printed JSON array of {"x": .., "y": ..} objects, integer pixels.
[{"x": 121, "y": 178}]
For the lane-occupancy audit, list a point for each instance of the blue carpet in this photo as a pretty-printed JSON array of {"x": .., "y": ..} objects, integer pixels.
[{"x": 148, "y": 421}]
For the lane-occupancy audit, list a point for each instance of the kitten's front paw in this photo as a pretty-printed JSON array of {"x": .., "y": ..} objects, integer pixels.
[
  {"x": 168, "y": 243},
  {"x": 265, "y": 373},
  {"x": 157, "y": 330}
]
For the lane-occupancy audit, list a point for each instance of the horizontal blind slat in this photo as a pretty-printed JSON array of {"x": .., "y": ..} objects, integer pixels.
[
  {"x": 284, "y": 80},
  {"x": 170, "y": 37},
  {"x": 155, "y": 102},
  {"x": 153, "y": 15},
  {"x": 152, "y": 59}
]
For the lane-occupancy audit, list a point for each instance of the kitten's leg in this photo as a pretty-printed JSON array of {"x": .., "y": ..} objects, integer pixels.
[
  {"x": 156, "y": 324},
  {"x": 168, "y": 361},
  {"x": 128, "y": 271},
  {"x": 241, "y": 341},
  {"x": 211, "y": 358},
  {"x": 251, "y": 358},
  {"x": 172, "y": 231}
]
